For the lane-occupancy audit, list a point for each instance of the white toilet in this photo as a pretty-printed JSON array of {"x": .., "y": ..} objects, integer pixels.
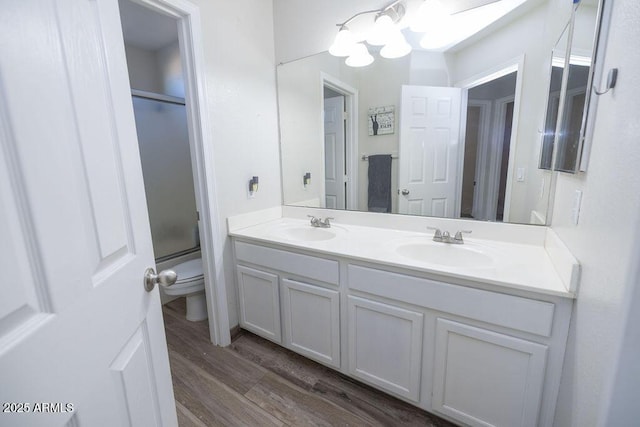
[{"x": 190, "y": 284}]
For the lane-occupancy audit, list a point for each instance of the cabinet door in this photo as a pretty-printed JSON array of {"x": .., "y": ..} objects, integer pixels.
[
  {"x": 385, "y": 346},
  {"x": 484, "y": 378},
  {"x": 259, "y": 303},
  {"x": 311, "y": 317}
]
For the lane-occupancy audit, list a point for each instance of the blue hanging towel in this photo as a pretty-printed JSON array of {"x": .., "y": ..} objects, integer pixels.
[{"x": 379, "y": 199}]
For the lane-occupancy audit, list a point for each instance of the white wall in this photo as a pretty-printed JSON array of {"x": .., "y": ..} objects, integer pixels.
[
  {"x": 604, "y": 328},
  {"x": 158, "y": 71},
  {"x": 170, "y": 68},
  {"x": 143, "y": 69},
  {"x": 240, "y": 84}
]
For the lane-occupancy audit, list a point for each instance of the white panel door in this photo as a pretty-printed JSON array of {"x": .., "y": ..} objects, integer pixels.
[
  {"x": 334, "y": 157},
  {"x": 311, "y": 316},
  {"x": 78, "y": 332},
  {"x": 385, "y": 346},
  {"x": 259, "y": 303},
  {"x": 429, "y": 151},
  {"x": 483, "y": 378}
]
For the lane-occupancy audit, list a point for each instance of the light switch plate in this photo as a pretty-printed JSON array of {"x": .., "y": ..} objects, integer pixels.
[
  {"x": 577, "y": 201},
  {"x": 520, "y": 174}
]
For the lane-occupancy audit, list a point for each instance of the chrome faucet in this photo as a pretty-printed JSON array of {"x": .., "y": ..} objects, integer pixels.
[
  {"x": 445, "y": 236},
  {"x": 319, "y": 222}
]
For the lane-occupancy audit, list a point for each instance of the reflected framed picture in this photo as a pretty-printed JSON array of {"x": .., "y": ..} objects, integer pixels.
[{"x": 382, "y": 120}]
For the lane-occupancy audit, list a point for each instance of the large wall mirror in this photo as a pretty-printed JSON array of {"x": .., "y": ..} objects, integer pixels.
[{"x": 455, "y": 131}]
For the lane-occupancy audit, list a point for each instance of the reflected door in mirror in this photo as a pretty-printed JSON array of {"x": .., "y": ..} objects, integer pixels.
[{"x": 429, "y": 150}]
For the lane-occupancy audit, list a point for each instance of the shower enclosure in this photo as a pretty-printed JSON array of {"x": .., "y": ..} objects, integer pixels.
[{"x": 163, "y": 138}]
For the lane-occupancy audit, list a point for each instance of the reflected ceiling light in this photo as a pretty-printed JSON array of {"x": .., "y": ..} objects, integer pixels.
[
  {"x": 382, "y": 31},
  {"x": 430, "y": 15},
  {"x": 343, "y": 44},
  {"x": 397, "y": 47},
  {"x": 360, "y": 56},
  {"x": 435, "y": 40},
  {"x": 379, "y": 32}
]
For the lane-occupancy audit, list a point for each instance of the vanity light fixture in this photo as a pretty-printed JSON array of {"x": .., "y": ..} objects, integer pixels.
[{"x": 384, "y": 31}]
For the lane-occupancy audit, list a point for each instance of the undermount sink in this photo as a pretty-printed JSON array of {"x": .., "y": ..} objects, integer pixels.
[
  {"x": 303, "y": 233},
  {"x": 447, "y": 255}
]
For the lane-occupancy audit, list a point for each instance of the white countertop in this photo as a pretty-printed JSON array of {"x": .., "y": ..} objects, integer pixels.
[{"x": 523, "y": 266}]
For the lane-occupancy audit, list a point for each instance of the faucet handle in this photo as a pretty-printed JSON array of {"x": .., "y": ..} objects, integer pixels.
[
  {"x": 458, "y": 236},
  {"x": 437, "y": 235},
  {"x": 313, "y": 219}
]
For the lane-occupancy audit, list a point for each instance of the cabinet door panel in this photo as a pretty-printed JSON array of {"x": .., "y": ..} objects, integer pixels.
[
  {"x": 259, "y": 303},
  {"x": 484, "y": 378},
  {"x": 385, "y": 346},
  {"x": 312, "y": 321}
]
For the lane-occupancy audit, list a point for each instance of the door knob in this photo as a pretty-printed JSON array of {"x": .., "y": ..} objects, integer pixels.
[
  {"x": 405, "y": 192},
  {"x": 165, "y": 278}
]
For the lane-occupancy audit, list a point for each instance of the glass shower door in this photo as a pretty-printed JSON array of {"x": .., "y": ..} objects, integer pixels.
[{"x": 168, "y": 178}]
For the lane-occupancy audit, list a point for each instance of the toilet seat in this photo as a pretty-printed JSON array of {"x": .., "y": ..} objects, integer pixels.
[
  {"x": 190, "y": 278},
  {"x": 188, "y": 270}
]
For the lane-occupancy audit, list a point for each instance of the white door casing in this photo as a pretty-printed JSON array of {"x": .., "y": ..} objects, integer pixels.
[
  {"x": 77, "y": 328},
  {"x": 429, "y": 151},
  {"x": 334, "y": 153}
]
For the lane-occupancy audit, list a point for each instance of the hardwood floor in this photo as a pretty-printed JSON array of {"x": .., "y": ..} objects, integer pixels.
[{"x": 254, "y": 382}]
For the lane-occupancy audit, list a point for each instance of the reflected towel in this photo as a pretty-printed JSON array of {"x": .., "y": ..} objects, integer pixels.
[{"x": 379, "y": 183}]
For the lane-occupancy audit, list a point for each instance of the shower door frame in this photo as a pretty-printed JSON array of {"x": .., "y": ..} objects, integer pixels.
[{"x": 212, "y": 233}]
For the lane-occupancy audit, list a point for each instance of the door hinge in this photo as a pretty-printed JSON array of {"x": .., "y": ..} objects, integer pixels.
[
  {"x": 198, "y": 215},
  {"x": 345, "y": 115}
]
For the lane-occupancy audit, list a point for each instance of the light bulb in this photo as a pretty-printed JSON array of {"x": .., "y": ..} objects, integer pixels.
[
  {"x": 360, "y": 56},
  {"x": 396, "y": 48},
  {"x": 381, "y": 31},
  {"x": 343, "y": 44}
]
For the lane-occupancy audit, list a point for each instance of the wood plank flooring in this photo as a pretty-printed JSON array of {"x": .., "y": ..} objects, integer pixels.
[{"x": 254, "y": 382}]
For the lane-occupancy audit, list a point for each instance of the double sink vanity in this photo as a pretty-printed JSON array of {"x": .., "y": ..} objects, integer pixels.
[{"x": 473, "y": 332}]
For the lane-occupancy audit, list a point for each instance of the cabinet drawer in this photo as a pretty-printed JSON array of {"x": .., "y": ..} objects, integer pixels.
[
  {"x": 324, "y": 270},
  {"x": 513, "y": 312}
]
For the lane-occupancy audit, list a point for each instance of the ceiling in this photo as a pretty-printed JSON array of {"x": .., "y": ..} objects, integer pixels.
[{"x": 146, "y": 29}]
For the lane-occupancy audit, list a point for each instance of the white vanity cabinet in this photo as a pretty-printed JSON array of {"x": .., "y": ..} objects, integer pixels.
[
  {"x": 291, "y": 299},
  {"x": 475, "y": 353},
  {"x": 488, "y": 358}
]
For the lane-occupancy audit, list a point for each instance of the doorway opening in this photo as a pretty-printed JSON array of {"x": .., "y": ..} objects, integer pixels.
[
  {"x": 168, "y": 107},
  {"x": 340, "y": 148},
  {"x": 489, "y": 145}
]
